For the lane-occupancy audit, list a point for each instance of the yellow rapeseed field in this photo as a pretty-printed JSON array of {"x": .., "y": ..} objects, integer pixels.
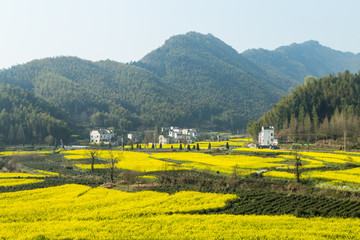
[
  {"x": 4, "y": 182},
  {"x": 80, "y": 212},
  {"x": 141, "y": 162},
  {"x": 349, "y": 175},
  {"x": 279, "y": 174},
  {"x": 221, "y": 163},
  {"x": 263, "y": 150},
  {"x": 332, "y": 157},
  {"x": 20, "y": 175}
]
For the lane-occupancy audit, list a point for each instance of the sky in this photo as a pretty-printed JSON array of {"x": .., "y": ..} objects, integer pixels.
[{"x": 126, "y": 31}]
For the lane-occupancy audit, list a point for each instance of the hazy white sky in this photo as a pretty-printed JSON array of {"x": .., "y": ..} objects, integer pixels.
[{"x": 127, "y": 30}]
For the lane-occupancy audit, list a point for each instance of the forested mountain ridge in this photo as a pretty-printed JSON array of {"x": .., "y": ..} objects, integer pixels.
[
  {"x": 203, "y": 83},
  {"x": 294, "y": 62},
  {"x": 221, "y": 86},
  {"x": 192, "y": 80},
  {"x": 324, "y": 108}
]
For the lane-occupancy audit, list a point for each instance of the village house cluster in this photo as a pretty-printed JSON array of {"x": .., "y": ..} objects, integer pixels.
[
  {"x": 178, "y": 135},
  {"x": 166, "y": 136}
]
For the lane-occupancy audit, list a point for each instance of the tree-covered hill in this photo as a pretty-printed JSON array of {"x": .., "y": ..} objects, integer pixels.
[
  {"x": 294, "y": 62},
  {"x": 219, "y": 85},
  {"x": 25, "y": 118},
  {"x": 192, "y": 80},
  {"x": 323, "y": 108}
]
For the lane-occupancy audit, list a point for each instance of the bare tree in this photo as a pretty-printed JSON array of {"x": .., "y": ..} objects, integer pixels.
[
  {"x": 93, "y": 153},
  {"x": 297, "y": 165},
  {"x": 111, "y": 164}
]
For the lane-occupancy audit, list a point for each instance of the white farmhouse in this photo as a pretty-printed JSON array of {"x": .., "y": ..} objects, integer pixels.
[
  {"x": 266, "y": 137},
  {"x": 102, "y": 135}
]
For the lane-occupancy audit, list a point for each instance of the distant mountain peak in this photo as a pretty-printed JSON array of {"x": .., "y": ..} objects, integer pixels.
[{"x": 311, "y": 43}]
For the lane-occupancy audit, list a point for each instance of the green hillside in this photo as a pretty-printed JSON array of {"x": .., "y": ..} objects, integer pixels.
[
  {"x": 219, "y": 85},
  {"x": 25, "y": 118},
  {"x": 294, "y": 62},
  {"x": 323, "y": 108},
  {"x": 192, "y": 80}
]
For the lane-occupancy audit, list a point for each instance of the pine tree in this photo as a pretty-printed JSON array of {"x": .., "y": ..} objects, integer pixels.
[
  {"x": 188, "y": 147},
  {"x": 197, "y": 146},
  {"x": 181, "y": 148},
  {"x": 227, "y": 145},
  {"x": 315, "y": 121},
  {"x": 20, "y": 135},
  {"x": 11, "y": 136},
  {"x": 209, "y": 147},
  {"x": 308, "y": 128}
]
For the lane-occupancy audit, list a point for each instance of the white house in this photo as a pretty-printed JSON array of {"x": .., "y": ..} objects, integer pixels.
[
  {"x": 163, "y": 140},
  {"x": 266, "y": 137},
  {"x": 102, "y": 135}
]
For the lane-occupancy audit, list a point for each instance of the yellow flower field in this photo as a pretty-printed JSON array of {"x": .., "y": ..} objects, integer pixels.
[
  {"x": 332, "y": 157},
  {"x": 13, "y": 182},
  {"x": 279, "y": 174},
  {"x": 20, "y": 175},
  {"x": 47, "y": 173},
  {"x": 80, "y": 212},
  {"x": 262, "y": 150},
  {"x": 221, "y": 163},
  {"x": 310, "y": 163},
  {"x": 349, "y": 175},
  {"x": 141, "y": 162}
]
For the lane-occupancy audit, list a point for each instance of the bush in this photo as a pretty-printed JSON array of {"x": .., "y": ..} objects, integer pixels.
[{"x": 300, "y": 213}]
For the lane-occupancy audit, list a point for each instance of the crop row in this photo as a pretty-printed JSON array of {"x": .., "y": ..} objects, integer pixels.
[{"x": 270, "y": 203}]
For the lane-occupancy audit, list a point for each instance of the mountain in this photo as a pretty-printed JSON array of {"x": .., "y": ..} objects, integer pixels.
[
  {"x": 295, "y": 62},
  {"x": 321, "y": 108},
  {"x": 218, "y": 85},
  {"x": 192, "y": 80}
]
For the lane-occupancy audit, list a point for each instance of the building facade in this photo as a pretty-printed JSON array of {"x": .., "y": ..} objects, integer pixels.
[
  {"x": 266, "y": 137},
  {"x": 102, "y": 135}
]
